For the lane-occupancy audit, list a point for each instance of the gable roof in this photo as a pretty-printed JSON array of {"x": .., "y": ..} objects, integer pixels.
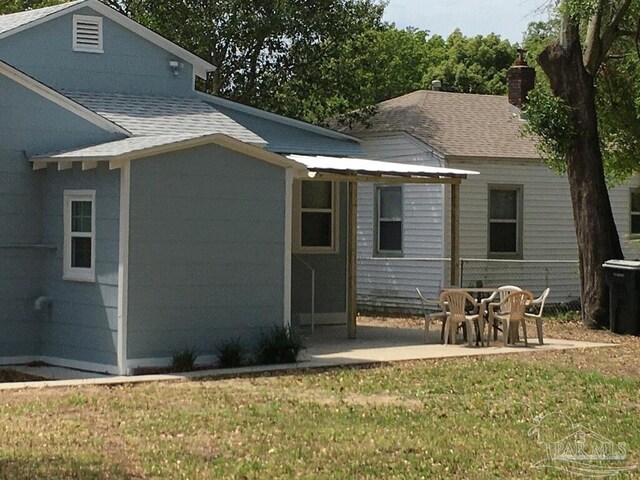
[
  {"x": 142, "y": 147},
  {"x": 16, "y": 22},
  {"x": 147, "y": 115},
  {"x": 59, "y": 99},
  {"x": 456, "y": 124},
  {"x": 136, "y": 148}
]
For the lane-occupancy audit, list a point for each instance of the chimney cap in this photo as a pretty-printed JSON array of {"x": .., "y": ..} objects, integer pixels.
[
  {"x": 521, "y": 58},
  {"x": 436, "y": 85}
]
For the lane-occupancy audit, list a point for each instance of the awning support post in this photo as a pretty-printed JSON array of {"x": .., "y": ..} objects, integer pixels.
[
  {"x": 352, "y": 244},
  {"x": 455, "y": 232}
]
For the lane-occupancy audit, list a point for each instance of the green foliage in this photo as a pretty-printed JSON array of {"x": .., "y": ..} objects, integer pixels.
[
  {"x": 618, "y": 107},
  {"x": 617, "y": 102},
  {"x": 278, "y": 345},
  {"x": 470, "y": 64},
  {"x": 231, "y": 353},
  {"x": 319, "y": 60},
  {"x": 262, "y": 50},
  {"x": 184, "y": 361},
  {"x": 550, "y": 120},
  {"x": 316, "y": 60}
]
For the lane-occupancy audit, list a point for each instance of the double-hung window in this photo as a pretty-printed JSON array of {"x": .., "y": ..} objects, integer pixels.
[
  {"x": 505, "y": 221},
  {"x": 635, "y": 212},
  {"x": 389, "y": 220},
  {"x": 315, "y": 217},
  {"x": 79, "y": 253}
]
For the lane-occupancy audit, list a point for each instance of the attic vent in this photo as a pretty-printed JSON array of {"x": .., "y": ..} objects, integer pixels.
[{"x": 87, "y": 34}]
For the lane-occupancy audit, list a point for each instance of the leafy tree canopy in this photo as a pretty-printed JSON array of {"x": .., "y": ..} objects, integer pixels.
[
  {"x": 315, "y": 59},
  {"x": 617, "y": 83}
]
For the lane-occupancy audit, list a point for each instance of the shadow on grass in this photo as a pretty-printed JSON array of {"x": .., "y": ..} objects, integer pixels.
[{"x": 54, "y": 468}]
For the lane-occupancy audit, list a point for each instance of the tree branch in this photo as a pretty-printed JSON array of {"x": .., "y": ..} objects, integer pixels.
[
  {"x": 593, "y": 41},
  {"x": 595, "y": 56}
]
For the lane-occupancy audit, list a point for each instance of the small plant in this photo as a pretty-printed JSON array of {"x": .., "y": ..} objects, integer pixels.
[
  {"x": 231, "y": 353},
  {"x": 279, "y": 345},
  {"x": 184, "y": 361}
]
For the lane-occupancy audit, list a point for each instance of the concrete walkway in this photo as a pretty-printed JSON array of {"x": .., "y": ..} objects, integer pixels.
[{"x": 328, "y": 347}]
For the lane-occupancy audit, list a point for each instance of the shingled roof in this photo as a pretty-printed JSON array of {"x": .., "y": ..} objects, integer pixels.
[
  {"x": 14, "y": 21},
  {"x": 455, "y": 124},
  {"x": 156, "y": 116}
]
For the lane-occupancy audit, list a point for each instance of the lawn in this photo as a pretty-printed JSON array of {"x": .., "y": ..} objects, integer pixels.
[{"x": 457, "y": 418}]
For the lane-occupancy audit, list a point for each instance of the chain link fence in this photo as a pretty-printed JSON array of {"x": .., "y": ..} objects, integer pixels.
[{"x": 388, "y": 285}]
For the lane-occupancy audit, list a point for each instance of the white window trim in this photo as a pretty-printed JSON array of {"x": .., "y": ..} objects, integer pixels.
[
  {"x": 379, "y": 219},
  {"x": 633, "y": 213},
  {"x": 84, "y": 48},
  {"x": 297, "y": 221},
  {"x": 74, "y": 273},
  {"x": 519, "y": 221}
]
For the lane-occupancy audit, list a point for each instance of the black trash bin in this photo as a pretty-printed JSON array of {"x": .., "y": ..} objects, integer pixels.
[{"x": 623, "y": 279}]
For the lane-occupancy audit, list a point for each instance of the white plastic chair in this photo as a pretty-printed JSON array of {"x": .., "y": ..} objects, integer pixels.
[
  {"x": 455, "y": 302},
  {"x": 514, "y": 305},
  {"x": 501, "y": 293},
  {"x": 539, "y": 304},
  {"x": 430, "y": 316}
]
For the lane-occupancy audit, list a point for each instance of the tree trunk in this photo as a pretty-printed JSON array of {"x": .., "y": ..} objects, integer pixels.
[{"x": 596, "y": 232}]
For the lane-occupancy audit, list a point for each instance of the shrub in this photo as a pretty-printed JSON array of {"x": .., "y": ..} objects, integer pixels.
[
  {"x": 279, "y": 345},
  {"x": 184, "y": 361},
  {"x": 231, "y": 353}
]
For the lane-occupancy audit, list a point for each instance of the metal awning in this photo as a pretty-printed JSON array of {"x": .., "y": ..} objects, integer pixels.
[
  {"x": 356, "y": 170},
  {"x": 364, "y": 170}
]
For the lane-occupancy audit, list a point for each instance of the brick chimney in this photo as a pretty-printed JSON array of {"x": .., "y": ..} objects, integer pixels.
[{"x": 521, "y": 79}]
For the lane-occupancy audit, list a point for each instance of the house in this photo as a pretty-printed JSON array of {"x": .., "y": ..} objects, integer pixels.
[
  {"x": 139, "y": 217},
  {"x": 516, "y": 217}
]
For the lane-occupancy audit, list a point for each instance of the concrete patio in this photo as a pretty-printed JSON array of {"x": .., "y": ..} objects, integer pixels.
[
  {"x": 390, "y": 344},
  {"x": 327, "y": 347}
]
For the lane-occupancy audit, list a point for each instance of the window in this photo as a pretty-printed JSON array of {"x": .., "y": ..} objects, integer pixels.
[
  {"x": 79, "y": 235},
  {"x": 505, "y": 221},
  {"x": 389, "y": 220},
  {"x": 635, "y": 212},
  {"x": 315, "y": 217},
  {"x": 87, "y": 34}
]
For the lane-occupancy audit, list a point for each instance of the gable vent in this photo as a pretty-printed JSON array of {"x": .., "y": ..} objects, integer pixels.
[{"x": 87, "y": 34}]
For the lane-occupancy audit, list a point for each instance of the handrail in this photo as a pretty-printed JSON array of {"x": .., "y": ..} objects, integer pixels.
[{"x": 313, "y": 291}]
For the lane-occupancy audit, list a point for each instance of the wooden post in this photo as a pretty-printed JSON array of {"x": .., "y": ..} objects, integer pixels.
[
  {"x": 352, "y": 244},
  {"x": 455, "y": 232}
]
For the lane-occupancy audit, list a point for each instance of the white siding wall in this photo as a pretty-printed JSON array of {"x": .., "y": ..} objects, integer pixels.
[
  {"x": 392, "y": 281},
  {"x": 620, "y": 203},
  {"x": 548, "y": 229}
]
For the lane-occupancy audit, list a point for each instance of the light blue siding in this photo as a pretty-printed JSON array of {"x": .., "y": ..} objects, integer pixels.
[
  {"x": 29, "y": 124},
  {"x": 129, "y": 64},
  {"x": 83, "y": 324},
  {"x": 330, "y": 273},
  {"x": 206, "y": 251}
]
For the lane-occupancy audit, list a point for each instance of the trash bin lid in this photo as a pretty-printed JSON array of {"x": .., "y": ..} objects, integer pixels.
[{"x": 622, "y": 264}]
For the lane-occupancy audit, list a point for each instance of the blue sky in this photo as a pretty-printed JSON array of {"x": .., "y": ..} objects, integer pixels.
[{"x": 508, "y": 18}]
